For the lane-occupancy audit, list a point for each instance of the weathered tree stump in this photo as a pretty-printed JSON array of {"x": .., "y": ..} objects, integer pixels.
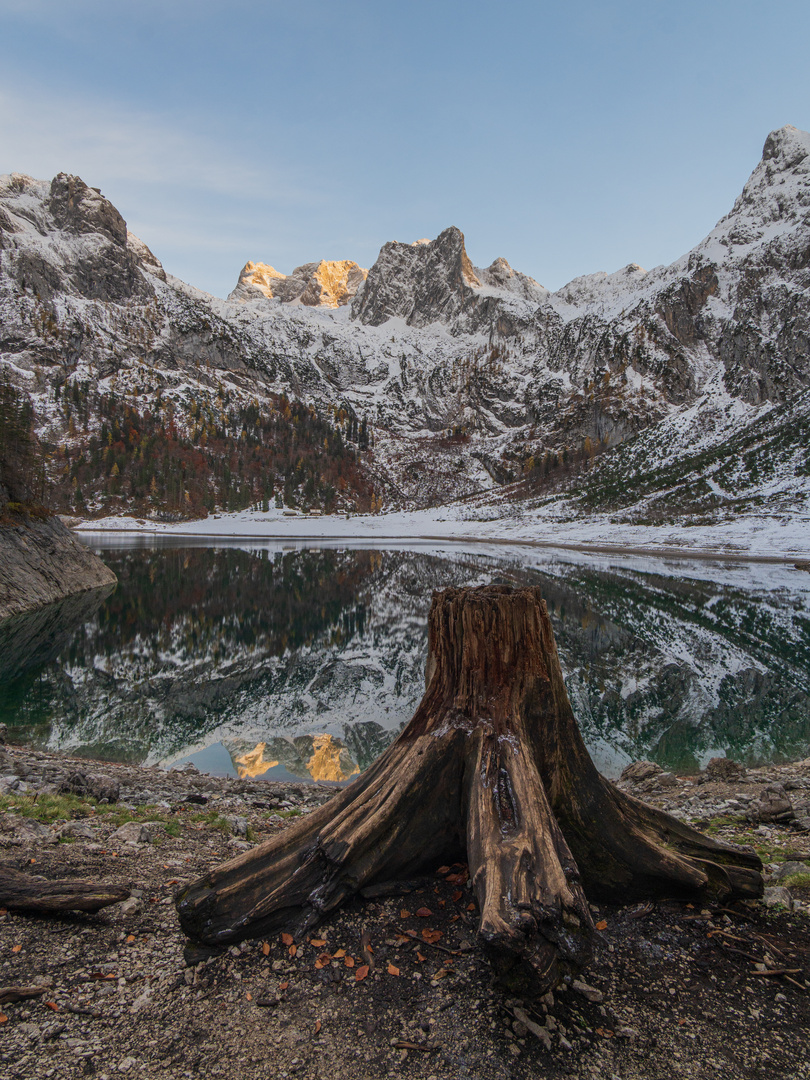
[{"x": 491, "y": 768}]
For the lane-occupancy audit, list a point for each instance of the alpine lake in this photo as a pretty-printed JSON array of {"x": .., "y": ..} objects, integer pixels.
[{"x": 303, "y": 662}]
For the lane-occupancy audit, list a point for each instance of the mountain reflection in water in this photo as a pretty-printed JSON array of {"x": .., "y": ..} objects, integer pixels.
[{"x": 285, "y": 661}]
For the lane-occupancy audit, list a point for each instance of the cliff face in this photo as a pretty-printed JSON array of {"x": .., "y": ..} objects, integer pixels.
[
  {"x": 42, "y": 562},
  {"x": 315, "y": 284}
]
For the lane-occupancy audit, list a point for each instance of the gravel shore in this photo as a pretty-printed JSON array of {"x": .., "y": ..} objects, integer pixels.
[{"x": 386, "y": 987}]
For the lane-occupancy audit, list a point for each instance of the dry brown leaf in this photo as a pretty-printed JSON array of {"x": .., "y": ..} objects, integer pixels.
[
  {"x": 392, "y": 970},
  {"x": 440, "y": 974},
  {"x": 454, "y": 918},
  {"x": 432, "y": 936},
  {"x": 349, "y": 961},
  {"x": 287, "y": 939},
  {"x": 130, "y": 939},
  {"x": 51, "y": 1005},
  {"x": 317, "y": 943},
  {"x": 470, "y": 907},
  {"x": 402, "y": 938},
  {"x": 249, "y": 996},
  {"x": 293, "y": 949},
  {"x": 361, "y": 973},
  {"x": 16, "y": 948},
  {"x": 404, "y": 914},
  {"x": 317, "y": 1027},
  {"x": 602, "y": 924},
  {"x": 339, "y": 954},
  {"x": 283, "y": 985},
  {"x": 443, "y": 870},
  {"x": 421, "y": 958},
  {"x": 457, "y": 895},
  {"x": 424, "y": 913},
  {"x": 3, "y": 1018}
]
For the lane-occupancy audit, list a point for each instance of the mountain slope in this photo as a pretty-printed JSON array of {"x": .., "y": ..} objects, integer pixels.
[{"x": 438, "y": 380}]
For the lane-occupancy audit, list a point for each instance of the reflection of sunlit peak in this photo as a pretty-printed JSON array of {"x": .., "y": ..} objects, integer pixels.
[
  {"x": 252, "y": 763},
  {"x": 330, "y": 761}
]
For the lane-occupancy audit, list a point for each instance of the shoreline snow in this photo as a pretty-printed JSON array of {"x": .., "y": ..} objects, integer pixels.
[{"x": 751, "y": 539}]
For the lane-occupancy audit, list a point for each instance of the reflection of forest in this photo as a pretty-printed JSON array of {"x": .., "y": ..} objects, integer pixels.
[{"x": 317, "y": 656}]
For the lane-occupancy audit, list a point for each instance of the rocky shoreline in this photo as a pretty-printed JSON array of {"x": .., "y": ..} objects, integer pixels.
[
  {"x": 42, "y": 562},
  {"x": 387, "y": 986}
]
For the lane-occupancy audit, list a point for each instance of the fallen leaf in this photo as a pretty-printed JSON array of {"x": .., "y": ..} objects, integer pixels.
[
  {"x": 339, "y": 954},
  {"x": 317, "y": 943},
  {"x": 265, "y": 948},
  {"x": 324, "y": 960},
  {"x": 349, "y": 961},
  {"x": 17, "y": 948},
  {"x": 681, "y": 1023},
  {"x": 456, "y": 879},
  {"x": 424, "y": 913},
  {"x": 432, "y": 936},
  {"x": 602, "y": 924},
  {"x": 287, "y": 939},
  {"x": 361, "y": 973},
  {"x": 283, "y": 985},
  {"x": 454, "y": 918},
  {"x": 443, "y": 870},
  {"x": 402, "y": 939},
  {"x": 317, "y": 1027},
  {"x": 3, "y": 1018},
  {"x": 440, "y": 974},
  {"x": 130, "y": 939},
  {"x": 470, "y": 907},
  {"x": 404, "y": 914},
  {"x": 293, "y": 949},
  {"x": 421, "y": 958},
  {"x": 457, "y": 895},
  {"x": 393, "y": 970},
  {"x": 51, "y": 1005},
  {"x": 249, "y": 996}
]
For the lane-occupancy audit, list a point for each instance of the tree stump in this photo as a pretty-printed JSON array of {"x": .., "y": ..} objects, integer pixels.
[{"x": 491, "y": 769}]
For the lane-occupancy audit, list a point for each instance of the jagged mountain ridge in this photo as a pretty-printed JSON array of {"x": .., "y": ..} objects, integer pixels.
[{"x": 469, "y": 378}]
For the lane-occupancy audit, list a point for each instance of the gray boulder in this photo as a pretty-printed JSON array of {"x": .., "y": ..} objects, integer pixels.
[{"x": 639, "y": 771}]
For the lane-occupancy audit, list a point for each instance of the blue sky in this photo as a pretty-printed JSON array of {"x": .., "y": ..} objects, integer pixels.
[{"x": 567, "y": 138}]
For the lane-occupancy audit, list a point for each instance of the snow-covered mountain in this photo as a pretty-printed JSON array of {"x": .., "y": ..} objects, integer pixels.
[{"x": 468, "y": 379}]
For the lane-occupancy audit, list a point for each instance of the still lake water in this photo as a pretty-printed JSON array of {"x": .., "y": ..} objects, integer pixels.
[{"x": 283, "y": 661}]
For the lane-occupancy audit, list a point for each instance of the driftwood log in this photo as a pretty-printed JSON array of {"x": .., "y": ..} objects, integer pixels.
[
  {"x": 492, "y": 769},
  {"x": 22, "y": 892}
]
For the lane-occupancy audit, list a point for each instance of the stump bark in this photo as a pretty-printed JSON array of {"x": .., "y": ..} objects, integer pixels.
[{"x": 492, "y": 769}]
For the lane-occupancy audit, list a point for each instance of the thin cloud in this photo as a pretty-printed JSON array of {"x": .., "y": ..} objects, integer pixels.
[{"x": 44, "y": 135}]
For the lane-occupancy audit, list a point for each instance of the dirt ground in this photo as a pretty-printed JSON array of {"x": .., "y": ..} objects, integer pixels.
[{"x": 392, "y": 987}]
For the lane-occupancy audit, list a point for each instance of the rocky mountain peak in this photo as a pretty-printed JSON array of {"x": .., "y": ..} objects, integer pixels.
[
  {"x": 77, "y": 208},
  {"x": 500, "y": 275},
  {"x": 317, "y": 284},
  {"x": 787, "y": 146},
  {"x": 435, "y": 281}
]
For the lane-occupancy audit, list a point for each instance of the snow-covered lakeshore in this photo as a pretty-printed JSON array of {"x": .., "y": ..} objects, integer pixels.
[{"x": 762, "y": 537}]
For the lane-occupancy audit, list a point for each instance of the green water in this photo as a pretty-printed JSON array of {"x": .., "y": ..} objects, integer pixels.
[{"x": 284, "y": 661}]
